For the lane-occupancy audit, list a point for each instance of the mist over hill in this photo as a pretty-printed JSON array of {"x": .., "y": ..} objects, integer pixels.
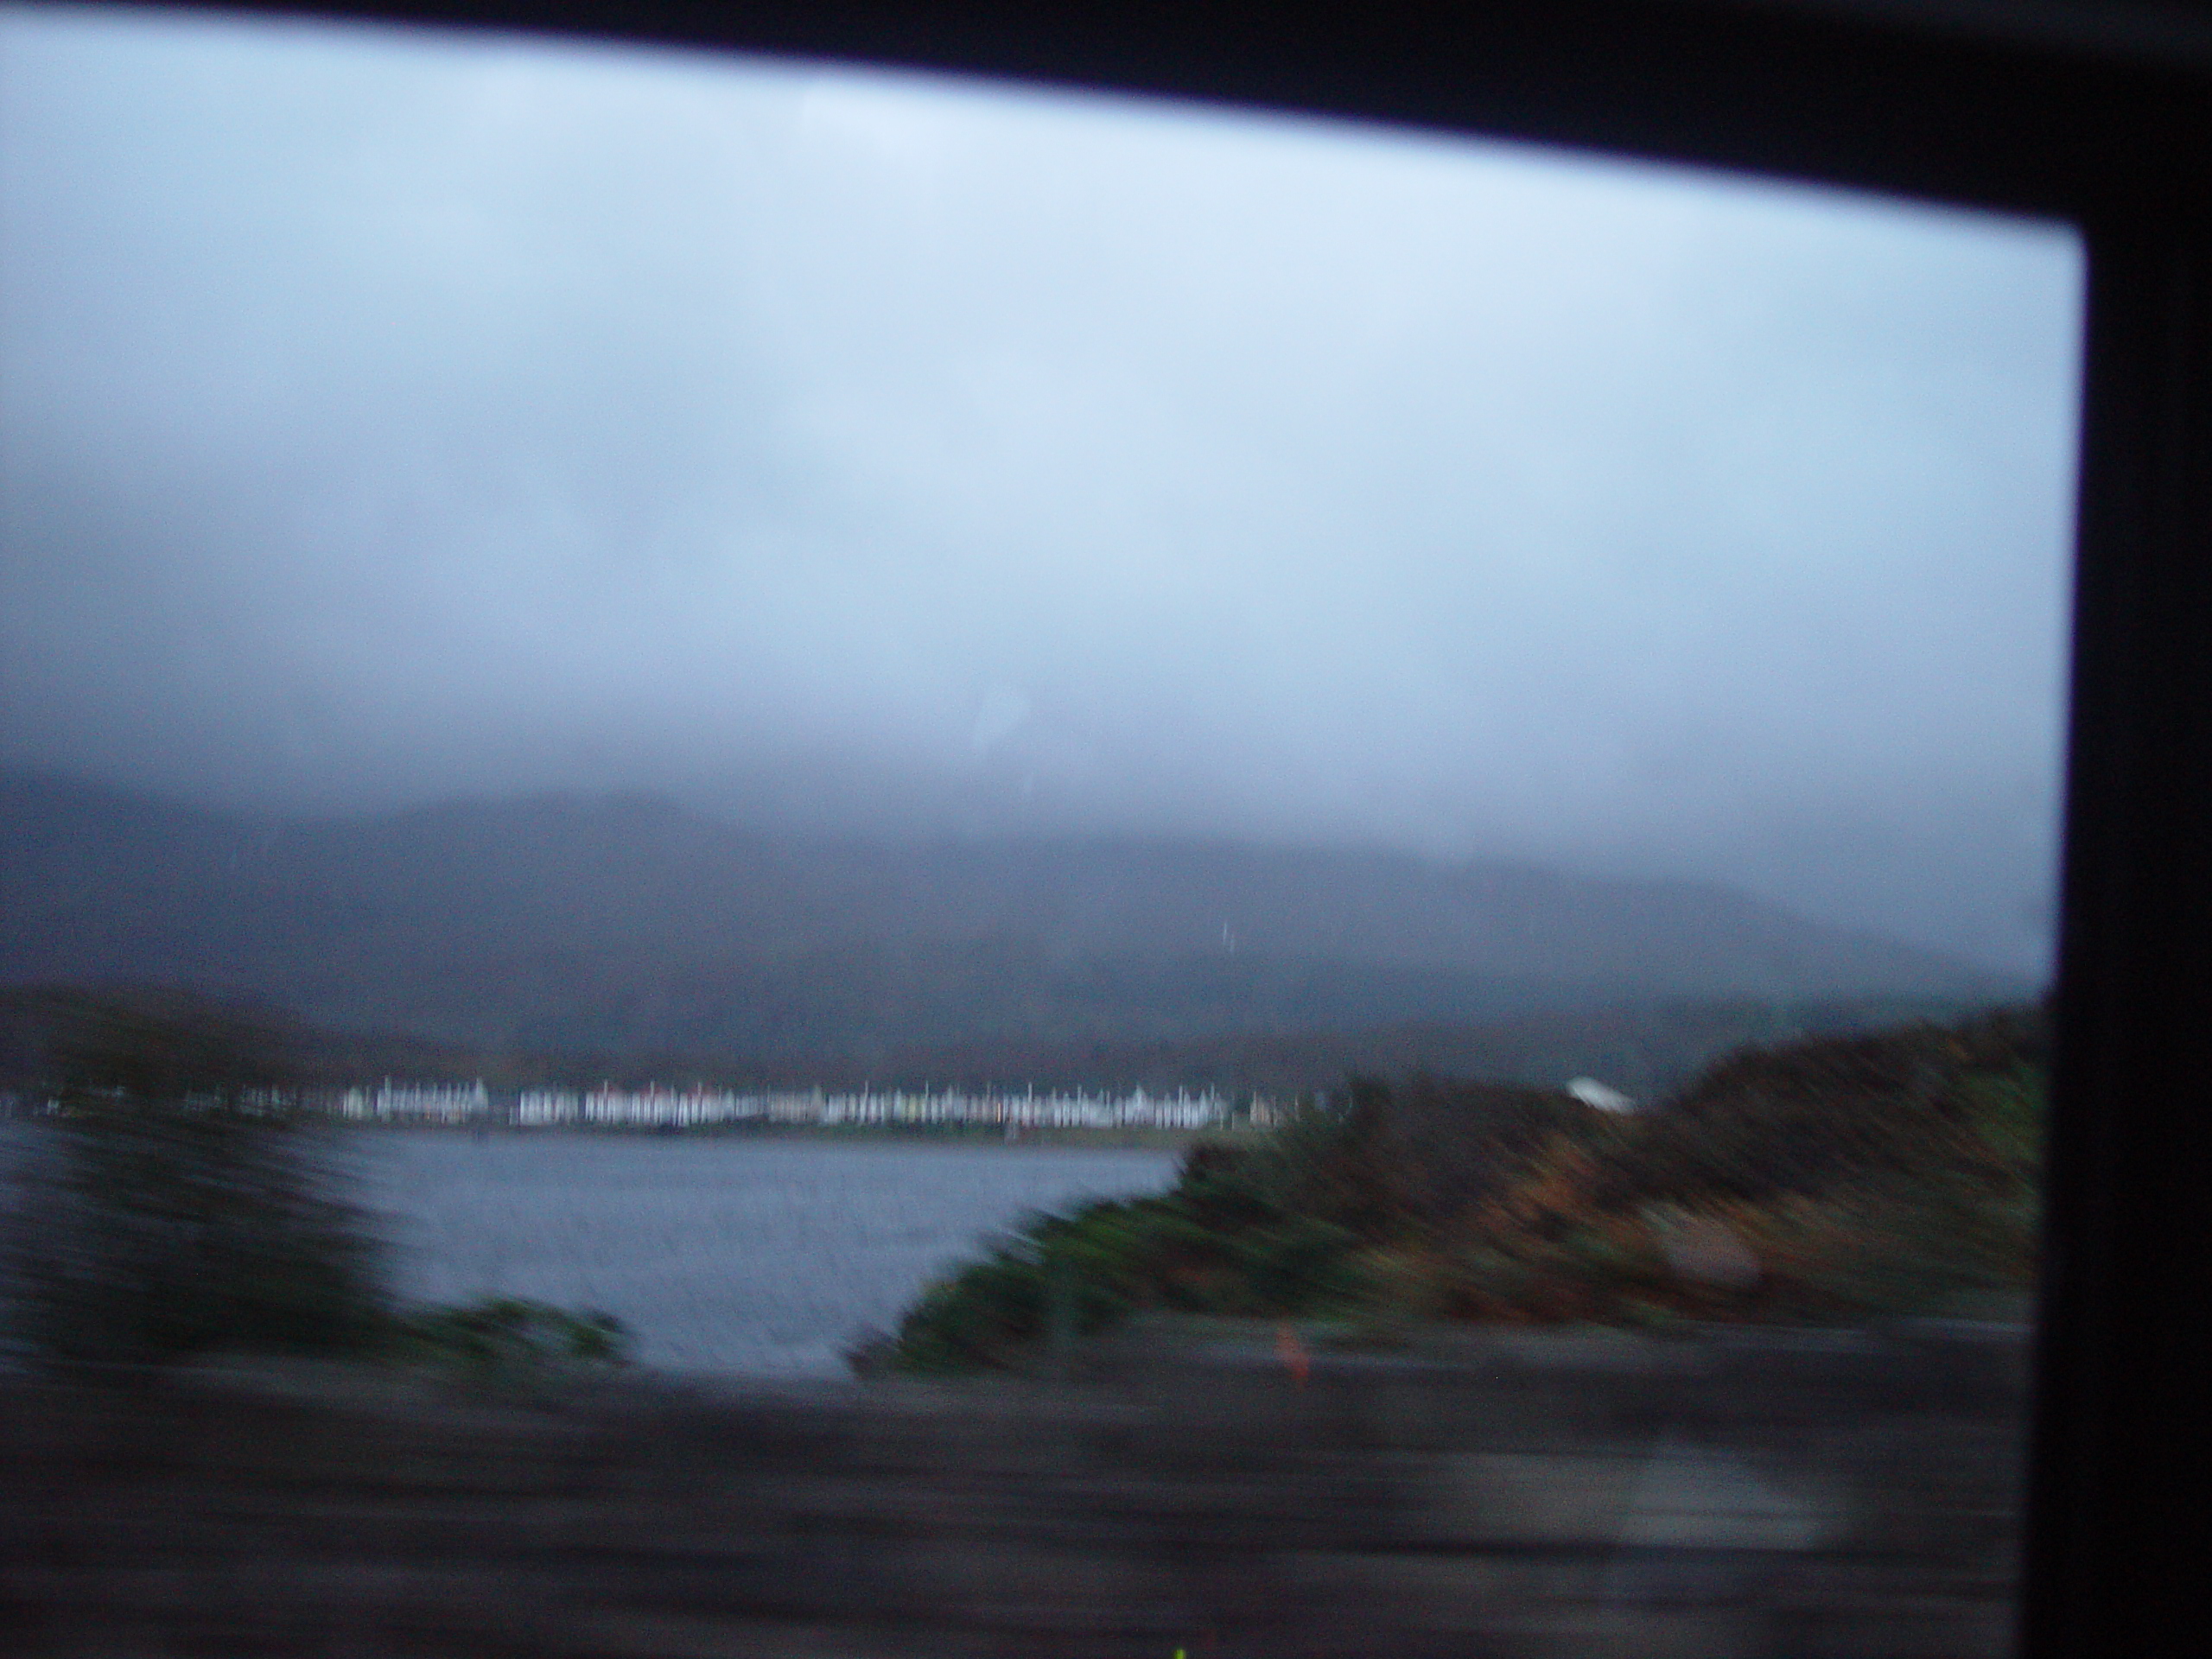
[{"x": 625, "y": 926}]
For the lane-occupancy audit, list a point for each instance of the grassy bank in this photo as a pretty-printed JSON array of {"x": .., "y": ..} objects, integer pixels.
[{"x": 1831, "y": 1180}]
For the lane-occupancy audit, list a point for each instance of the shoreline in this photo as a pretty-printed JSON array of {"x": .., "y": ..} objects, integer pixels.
[{"x": 1132, "y": 1139}]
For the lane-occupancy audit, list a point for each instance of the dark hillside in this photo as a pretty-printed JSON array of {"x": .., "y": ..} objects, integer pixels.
[{"x": 619, "y": 927}]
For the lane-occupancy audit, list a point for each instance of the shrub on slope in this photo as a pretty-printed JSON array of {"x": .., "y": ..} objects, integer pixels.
[{"x": 1831, "y": 1178}]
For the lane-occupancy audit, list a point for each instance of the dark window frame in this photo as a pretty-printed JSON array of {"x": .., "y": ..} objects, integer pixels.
[{"x": 2098, "y": 112}]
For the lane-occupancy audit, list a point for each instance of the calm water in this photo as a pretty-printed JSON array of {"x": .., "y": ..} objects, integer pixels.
[{"x": 720, "y": 1254}]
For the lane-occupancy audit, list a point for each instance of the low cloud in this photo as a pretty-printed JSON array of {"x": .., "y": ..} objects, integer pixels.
[{"x": 386, "y": 418}]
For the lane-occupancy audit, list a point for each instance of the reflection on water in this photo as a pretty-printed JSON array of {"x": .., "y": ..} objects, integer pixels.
[{"x": 719, "y": 1255}]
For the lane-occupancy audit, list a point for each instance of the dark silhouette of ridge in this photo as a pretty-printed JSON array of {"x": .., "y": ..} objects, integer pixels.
[{"x": 618, "y": 926}]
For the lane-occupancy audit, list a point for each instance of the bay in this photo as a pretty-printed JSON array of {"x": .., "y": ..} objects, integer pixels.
[{"x": 725, "y": 1255}]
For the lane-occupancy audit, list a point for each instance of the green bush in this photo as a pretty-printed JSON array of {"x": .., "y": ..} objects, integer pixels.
[
  {"x": 1298, "y": 1264},
  {"x": 1881, "y": 1173},
  {"x": 508, "y": 1334},
  {"x": 1237, "y": 1235},
  {"x": 172, "y": 1211},
  {"x": 149, "y": 1232}
]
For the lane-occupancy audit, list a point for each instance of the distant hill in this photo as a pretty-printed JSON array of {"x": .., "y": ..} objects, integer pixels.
[{"x": 624, "y": 926}]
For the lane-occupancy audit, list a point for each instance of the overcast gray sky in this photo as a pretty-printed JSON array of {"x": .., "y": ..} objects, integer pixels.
[{"x": 389, "y": 418}]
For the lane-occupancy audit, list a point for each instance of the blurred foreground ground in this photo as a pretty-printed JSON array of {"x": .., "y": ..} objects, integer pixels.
[{"x": 1716, "y": 1493}]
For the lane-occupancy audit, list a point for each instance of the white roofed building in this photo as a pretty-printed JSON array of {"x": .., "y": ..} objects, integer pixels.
[{"x": 1590, "y": 1092}]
